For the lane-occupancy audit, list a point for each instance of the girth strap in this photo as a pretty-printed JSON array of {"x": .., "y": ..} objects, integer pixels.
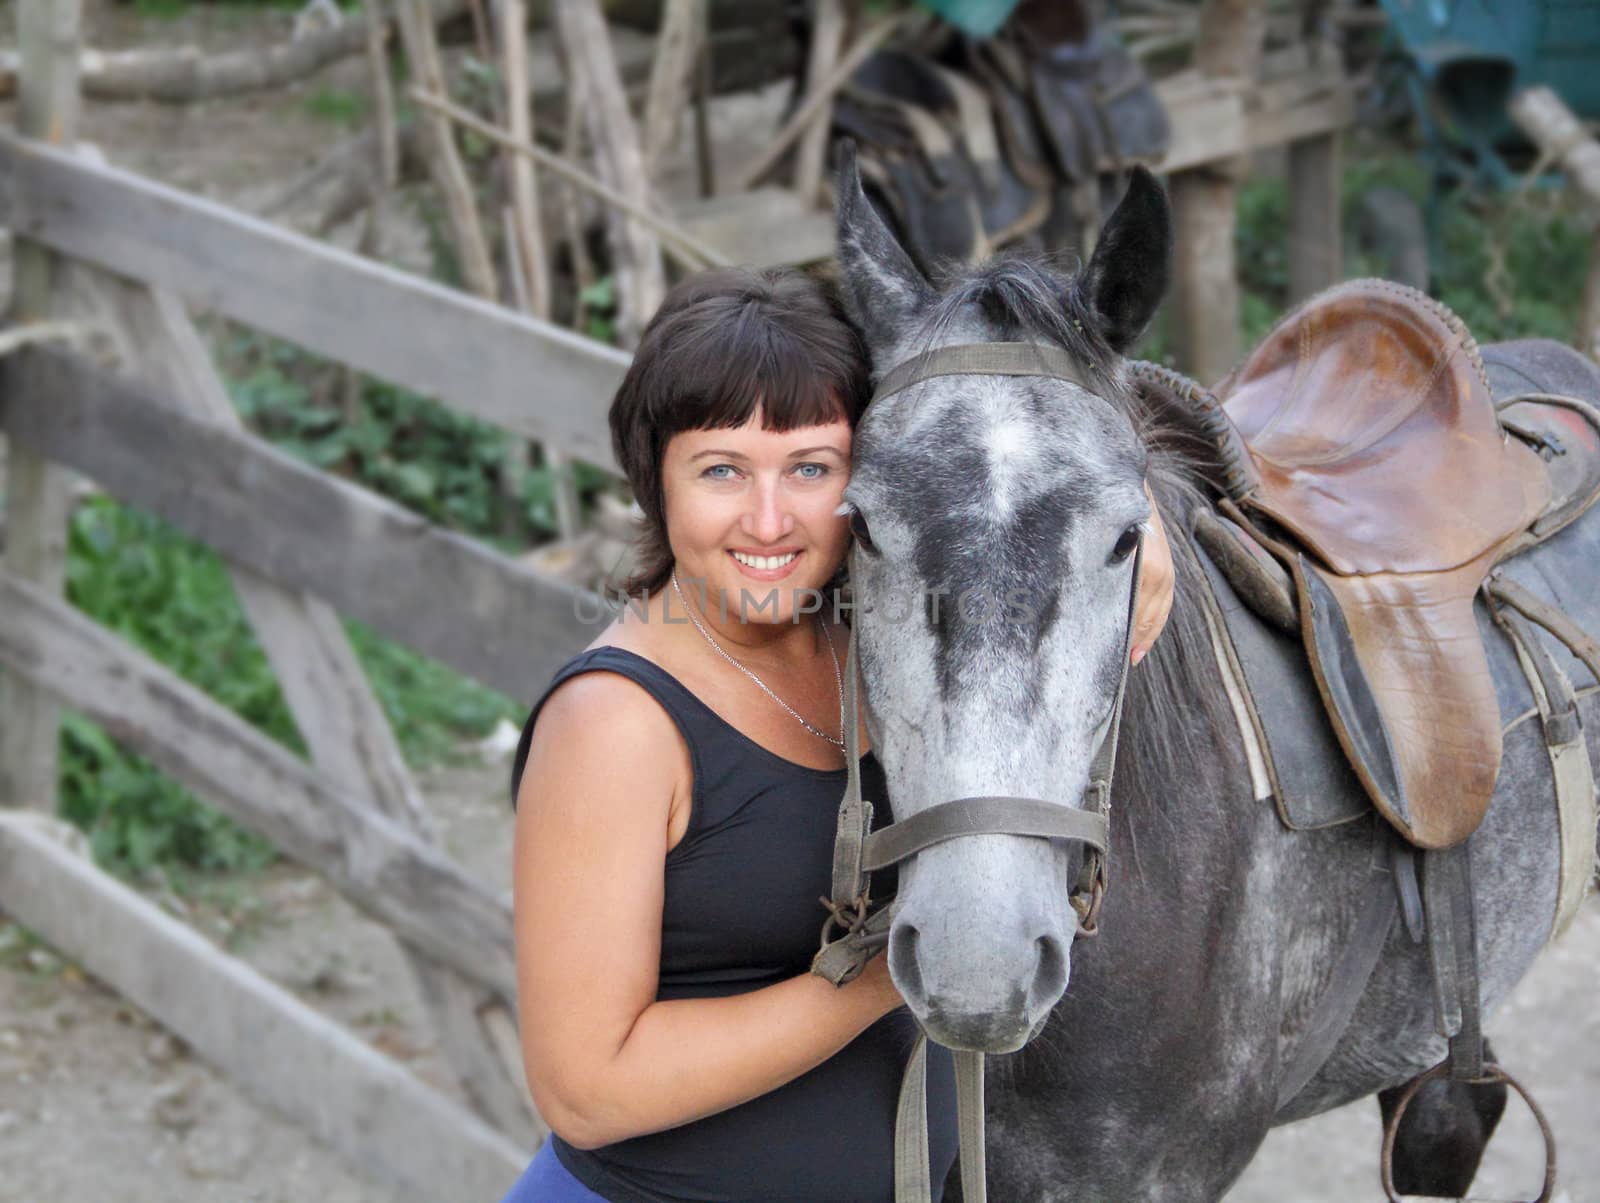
[
  {"x": 1452, "y": 951},
  {"x": 1570, "y": 767}
]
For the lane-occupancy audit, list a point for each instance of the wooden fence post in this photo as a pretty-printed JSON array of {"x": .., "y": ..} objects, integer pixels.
[
  {"x": 1204, "y": 201},
  {"x": 1316, "y": 258},
  {"x": 38, "y": 495}
]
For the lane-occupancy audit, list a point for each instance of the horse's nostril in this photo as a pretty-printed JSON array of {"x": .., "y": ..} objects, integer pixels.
[
  {"x": 903, "y": 962},
  {"x": 1049, "y": 974}
]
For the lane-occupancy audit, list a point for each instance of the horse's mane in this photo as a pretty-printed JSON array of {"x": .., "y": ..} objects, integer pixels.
[{"x": 1177, "y": 723}]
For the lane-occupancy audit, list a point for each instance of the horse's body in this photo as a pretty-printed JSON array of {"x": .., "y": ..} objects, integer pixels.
[{"x": 1157, "y": 1074}]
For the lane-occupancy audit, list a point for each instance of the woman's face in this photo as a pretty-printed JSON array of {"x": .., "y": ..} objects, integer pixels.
[{"x": 750, "y": 513}]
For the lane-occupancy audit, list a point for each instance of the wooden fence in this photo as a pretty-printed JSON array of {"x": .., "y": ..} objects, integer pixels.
[
  {"x": 127, "y": 255},
  {"x": 160, "y": 432}
]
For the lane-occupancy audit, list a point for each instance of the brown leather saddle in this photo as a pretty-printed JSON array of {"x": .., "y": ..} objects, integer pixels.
[{"x": 1372, "y": 489}]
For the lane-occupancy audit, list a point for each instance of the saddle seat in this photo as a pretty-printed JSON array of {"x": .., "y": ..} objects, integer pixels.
[{"x": 1379, "y": 473}]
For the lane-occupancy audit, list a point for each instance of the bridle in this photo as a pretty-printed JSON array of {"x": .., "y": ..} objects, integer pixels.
[{"x": 851, "y": 935}]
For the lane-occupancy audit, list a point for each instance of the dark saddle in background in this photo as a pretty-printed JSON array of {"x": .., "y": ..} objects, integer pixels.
[
  {"x": 972, "y": 144},
  {"x": 1370, "y": 488}
]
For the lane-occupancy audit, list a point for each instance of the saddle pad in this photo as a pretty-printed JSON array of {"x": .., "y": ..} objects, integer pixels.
[{"x": 1311, "y": 780}]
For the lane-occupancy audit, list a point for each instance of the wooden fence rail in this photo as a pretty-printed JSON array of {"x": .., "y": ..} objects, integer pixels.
[
  {"x": 381, "y": 1118},
  {"x": 528, "y": 376},
  {"x": 439, "y": 592},
  {"x": 375, "y": 863},
  {"x": 346, "y": 732}
]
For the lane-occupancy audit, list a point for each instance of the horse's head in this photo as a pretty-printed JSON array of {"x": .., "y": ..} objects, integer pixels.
[{"x": 996, "y": 520}]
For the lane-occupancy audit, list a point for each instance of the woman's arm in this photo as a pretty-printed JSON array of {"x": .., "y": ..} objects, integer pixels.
[{"x": 604, "y": 1059}]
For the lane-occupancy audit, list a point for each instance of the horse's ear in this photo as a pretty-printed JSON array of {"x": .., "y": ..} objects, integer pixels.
[
  {"x": 1132, "y": 263},
  {"x": 883, "y": 289}
]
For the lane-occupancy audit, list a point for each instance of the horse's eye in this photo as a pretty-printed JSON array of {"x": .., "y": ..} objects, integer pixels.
[
  {"x": 858, "y": 528},
  {"x": 1127, "y": 543}
]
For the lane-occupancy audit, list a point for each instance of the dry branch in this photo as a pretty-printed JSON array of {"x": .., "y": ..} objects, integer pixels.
[
  {"x": 178, "y": 75},
  {"x": 596, "y": 85},
  {"x": 671, "y": 77},
  {"x": 444, "y": 160},
  {"x": 817, "y": 100},
  {"x": 681, "y": 245},
  {"x": 1561, "y": 137},
  {"x": 827, "y": 41},
  {"x": 528, "y": 245},
  {"x": 382, "y": 99},
  {"x": 525, "y": 246}
]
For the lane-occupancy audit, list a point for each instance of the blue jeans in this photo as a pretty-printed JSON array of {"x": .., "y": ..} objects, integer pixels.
[{"x": 546, "y": 1180}]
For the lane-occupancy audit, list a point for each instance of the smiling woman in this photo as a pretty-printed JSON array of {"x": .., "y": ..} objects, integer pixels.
[{"x": 677, "y": 785}]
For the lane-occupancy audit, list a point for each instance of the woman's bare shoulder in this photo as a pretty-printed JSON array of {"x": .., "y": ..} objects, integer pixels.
[{"x": 606, "y": 723}]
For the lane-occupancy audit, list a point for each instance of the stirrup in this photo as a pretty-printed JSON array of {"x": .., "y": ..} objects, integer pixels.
[{"x": 1492, "y": 1075}]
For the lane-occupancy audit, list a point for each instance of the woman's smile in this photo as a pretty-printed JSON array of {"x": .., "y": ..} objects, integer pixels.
[{"x": 771, "y": 567}]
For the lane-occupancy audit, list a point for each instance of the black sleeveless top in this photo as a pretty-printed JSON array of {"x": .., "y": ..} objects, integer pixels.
[{"x": 740, "y": 912}]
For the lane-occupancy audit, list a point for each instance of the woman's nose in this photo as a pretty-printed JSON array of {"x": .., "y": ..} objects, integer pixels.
[{"x": 768, "y": 519}]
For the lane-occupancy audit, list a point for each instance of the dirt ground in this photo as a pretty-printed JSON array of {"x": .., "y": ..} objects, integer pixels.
[{"x": 98, "y": 1103}]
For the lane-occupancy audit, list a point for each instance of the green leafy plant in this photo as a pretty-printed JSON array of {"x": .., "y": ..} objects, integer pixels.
[
  {"x": 430, "y": 458},
  {"x": 1511, "y": 264},
  {"x": 174, "y": 599},
  {"x": 599, "y": 303},
  {"x": 337, "y": 105}
]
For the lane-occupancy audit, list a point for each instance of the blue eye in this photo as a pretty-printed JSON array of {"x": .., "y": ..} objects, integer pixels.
[
  {"x": 712, "y": 471},
  {"x": 821, "y": 471}
]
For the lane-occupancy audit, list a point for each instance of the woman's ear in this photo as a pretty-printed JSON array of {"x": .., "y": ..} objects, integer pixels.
[
  {"x": 883, "y": 289},
  {"x": 1132, "y": 263}
]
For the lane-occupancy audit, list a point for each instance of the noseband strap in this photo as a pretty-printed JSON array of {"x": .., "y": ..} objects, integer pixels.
[{"x": 987, "y": 815}]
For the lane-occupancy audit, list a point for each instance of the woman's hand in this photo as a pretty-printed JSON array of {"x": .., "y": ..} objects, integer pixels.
[
  {"x": 1154, "y": 602},
  {"x": 876, "y": 982}
]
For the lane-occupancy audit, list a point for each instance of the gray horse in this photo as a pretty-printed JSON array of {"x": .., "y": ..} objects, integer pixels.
[{"x": 1156, "y": 1074}]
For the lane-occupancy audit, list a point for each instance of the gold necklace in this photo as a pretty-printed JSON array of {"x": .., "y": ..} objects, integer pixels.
[{"x": 838, "y": 676}]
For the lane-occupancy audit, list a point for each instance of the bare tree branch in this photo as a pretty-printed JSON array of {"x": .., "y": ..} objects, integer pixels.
[
  {"x": 178, "y": 75},
  {"x": 444, "y": 160},
  {"x": 671, "y": 77}
]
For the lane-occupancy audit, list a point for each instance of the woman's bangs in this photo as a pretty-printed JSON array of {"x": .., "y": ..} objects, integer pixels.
[{"x": 747, "y": 363}]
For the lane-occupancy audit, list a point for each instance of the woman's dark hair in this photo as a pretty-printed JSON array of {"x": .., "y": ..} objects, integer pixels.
[{"x": 723, "y": 342}]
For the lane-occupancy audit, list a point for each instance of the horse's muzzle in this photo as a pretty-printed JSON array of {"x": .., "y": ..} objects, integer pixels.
[{"x": 986, "y": 994}]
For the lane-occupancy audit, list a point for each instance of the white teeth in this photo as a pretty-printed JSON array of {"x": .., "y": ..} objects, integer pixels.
[{"x": 764, "y": 561}]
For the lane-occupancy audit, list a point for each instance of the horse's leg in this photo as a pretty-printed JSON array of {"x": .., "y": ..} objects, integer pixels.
[{"x": 1443, "y": 1134}]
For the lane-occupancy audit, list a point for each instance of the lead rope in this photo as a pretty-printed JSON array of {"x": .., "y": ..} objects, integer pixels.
[{"x": 841, "y": 959}]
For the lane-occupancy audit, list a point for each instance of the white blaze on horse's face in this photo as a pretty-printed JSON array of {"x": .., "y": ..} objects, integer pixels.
[
  {"x": 991, "y": 625},
  {"x": 992, "y": 578}
]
